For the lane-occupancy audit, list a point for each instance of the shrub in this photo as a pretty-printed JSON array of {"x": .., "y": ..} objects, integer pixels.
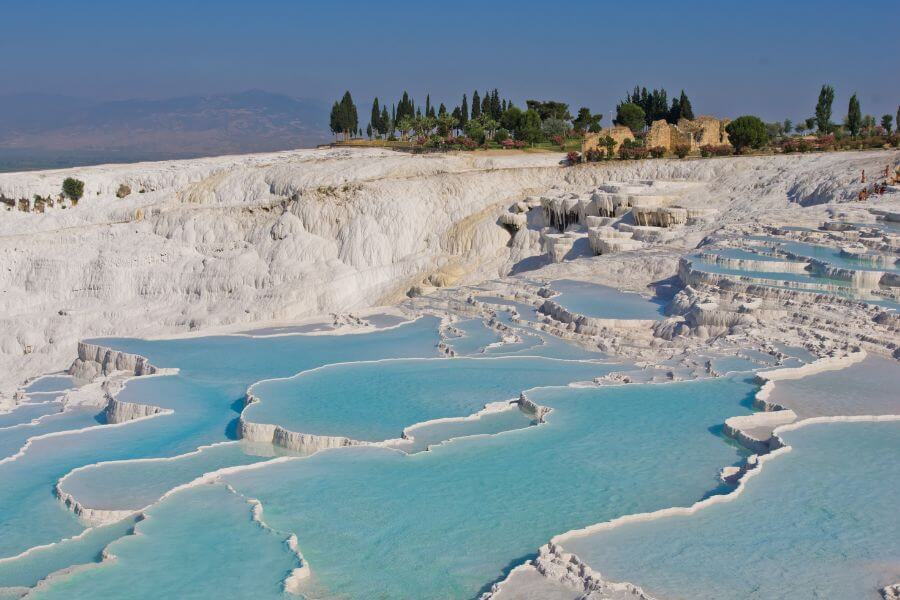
[
  {"x": 682, "y": 150},
  {"x": 657, "y": 151},
  {"x": 573, "y": 157},
  {"x": 825, "y": 142},
  {"x": 595, "y": 155},
  {"x": 475, "y": 131},
  {"x": 708, "y": 150},
  {"x": 747, "y": 131},
  {"x": 627, "y": 151},
  {"x": 559, "y": 140},
  {"x": 123, "y": 191},
  {"x": 73, "y": 188},
  {"x": 501, "y": 136}
]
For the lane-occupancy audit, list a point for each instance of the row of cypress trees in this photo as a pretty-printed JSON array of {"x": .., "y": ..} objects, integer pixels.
[
  {"x": 656, "y": 106},
  {"x": 345, "y": 121}
]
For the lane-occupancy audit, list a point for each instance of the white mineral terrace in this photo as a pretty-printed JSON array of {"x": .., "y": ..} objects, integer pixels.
[{"x": 347, "y": 242}]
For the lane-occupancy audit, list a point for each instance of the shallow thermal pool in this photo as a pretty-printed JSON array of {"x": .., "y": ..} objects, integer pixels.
[
  {"x": 817, "y": 522},
  {"x": 443, "y": 513},
  {"x": 377, "y": 523},
  {"x": 595, "y": 300}
]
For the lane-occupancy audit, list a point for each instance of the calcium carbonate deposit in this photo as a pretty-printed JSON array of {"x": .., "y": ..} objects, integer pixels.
[{"x": 367, "y": 374}]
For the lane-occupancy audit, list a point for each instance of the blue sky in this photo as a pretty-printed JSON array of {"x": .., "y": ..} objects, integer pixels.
[{"x": 767, "y": 57}]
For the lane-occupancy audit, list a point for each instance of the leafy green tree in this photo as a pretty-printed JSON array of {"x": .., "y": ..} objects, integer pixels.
[
  {"x": 530, "y": 130},
  {"x": 631, "y": 116},
  {"x": 73, "y": 188},
  {"x": 423, "y": 125},
  {"x": 476, "y": 105},
  {"x": 868, "y": 124},
  {"x": 610, "y": 145},
  {"x": 585, "y": 121},
  {"x": 654, "y": 104},
  {"x": 887, "y": 123},
  {"x": 747, "y": 131},
  {"x": 457, "y": 116},
  {"x": 442, "y": 110},
  {"x": 550, "y": 109},
  {"x": 823, "y": 108},
  {"x": 486, "y": 104},
  {"x": 512, "y": 118},
  {"x": 810, "y": 123},
  {"x": 787, "y": 126},
  {"x": 405, "y": 125},
  {"x": 854, "y": 116},
  {"x": 774, "y": 130},
  {"x": 369, "y": 131},
  {"x": 501, "y": 136},
  {"x": 446, "y": 123},
  {"x": 554, "y": 127},
  {"x": 474, "y": 129},
  {"x": 463, "y": 112}
]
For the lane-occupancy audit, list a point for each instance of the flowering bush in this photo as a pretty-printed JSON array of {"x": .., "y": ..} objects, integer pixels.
[
  {"x": 657, "y": 151},
  {"x": 573, "y": 157},
  {"x": 796, "y": 145},
  {"x": 595, "y": 155},
  {"x": 559, "y": 140},
  {"x": 633, "y": 152},
  {"x": 682, "y": 150},
  {"x": 708, "y": 150},
  {"x": 825, "y": 142}
]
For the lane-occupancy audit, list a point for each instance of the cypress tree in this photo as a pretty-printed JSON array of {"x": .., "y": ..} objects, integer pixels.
[
  {"x": 476, "y": 105},
  {"x": 486, "y": 105},
  {"x": 348, "y": 118},
  {"x": 854, "y": 116},
  {"x": 496, "y": 108},
  {"x": 385, "y": 121},
  {"x": 442, "y": 110},
  {"x": 464, "y": 112},
  {"x": 674, "y": 112},
  {"x": 335, "y": 121},
  {"x": 375, "y": 118},
  {"x": 686, "y": 110},
  {"x": 823, "y": 108},
  {"x": 427, "y": 105}
]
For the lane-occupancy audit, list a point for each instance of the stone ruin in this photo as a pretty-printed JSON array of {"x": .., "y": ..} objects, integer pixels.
[
  {"x": 702, "y": 131},
  {"x": 593, "y": 141}
]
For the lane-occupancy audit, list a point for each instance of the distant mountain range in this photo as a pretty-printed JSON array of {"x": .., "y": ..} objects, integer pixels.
[{"x": 40, "y": 131}]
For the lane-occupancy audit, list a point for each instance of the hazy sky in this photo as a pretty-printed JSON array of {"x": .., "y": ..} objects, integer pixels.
[{"x": 763, "y": 56}]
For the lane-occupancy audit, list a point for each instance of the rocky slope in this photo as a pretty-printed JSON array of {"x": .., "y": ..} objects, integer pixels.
[{"x": 214, "y": 243}]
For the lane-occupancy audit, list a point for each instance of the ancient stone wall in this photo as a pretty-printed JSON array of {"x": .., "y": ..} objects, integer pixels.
[
  {"x": 702, "y": 131},
  {"x": 619, "y": 133}
]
